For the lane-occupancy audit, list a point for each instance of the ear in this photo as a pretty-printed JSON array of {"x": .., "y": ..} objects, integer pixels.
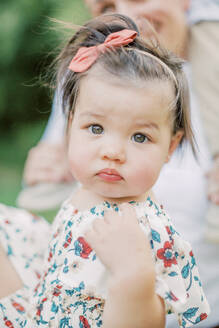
[{"x": 174, "y": 143}]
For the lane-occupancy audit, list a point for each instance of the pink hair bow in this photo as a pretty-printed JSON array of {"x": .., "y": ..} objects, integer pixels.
[{"x": 86, "y": 56}]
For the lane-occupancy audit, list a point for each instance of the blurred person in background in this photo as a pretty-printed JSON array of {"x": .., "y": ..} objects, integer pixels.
[{"x": 170, "y": 19}]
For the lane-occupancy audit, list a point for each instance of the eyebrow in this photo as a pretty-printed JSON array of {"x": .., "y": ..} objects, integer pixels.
[
  {"x": 90, "y": 114},
  {"x": 147, "y": 125}
]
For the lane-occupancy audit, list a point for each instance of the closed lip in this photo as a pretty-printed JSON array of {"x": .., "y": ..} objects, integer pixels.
[{"x": 109, "y": 174}]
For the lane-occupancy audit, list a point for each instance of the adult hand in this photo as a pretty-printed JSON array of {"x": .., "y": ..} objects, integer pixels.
[
  {"x": 47, "y": 163},
  {"x": 213, "y": 182},
  {"x": 120, "y": 243}
]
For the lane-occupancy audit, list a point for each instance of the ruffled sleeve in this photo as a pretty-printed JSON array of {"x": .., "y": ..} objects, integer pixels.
[{"x": 177, "y": 276}]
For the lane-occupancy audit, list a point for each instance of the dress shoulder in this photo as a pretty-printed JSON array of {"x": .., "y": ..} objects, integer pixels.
[{"x": 177, "y": 276}]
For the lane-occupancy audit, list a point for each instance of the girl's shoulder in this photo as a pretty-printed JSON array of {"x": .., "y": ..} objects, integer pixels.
[{"x": 177, "y": 276}]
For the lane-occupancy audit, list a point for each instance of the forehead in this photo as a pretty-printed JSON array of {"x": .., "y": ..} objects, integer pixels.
[
  {"x": 111, "y": 96},
  {"x": 115, "y": 4}
]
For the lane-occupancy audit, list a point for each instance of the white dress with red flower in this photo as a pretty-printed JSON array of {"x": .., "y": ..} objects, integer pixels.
[{"x": 73, "y": 286}]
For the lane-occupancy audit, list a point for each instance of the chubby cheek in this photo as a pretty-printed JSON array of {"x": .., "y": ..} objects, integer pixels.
[
  {"x": 145, "y": 174},
  {"x": 76, "y": 169},
  {"x": 77, "y": 162}
]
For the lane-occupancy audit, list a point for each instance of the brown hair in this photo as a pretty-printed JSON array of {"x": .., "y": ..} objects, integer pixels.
[{"x": 140, "y": 60}]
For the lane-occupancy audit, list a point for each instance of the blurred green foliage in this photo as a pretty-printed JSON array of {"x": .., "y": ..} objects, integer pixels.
[{"x": 27, "y": 40}]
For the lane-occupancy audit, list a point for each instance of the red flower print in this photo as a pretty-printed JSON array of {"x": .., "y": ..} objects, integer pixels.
[
  {"x": 203, "y": 316},
  {"x": 50, "y": 256},
  {"x": 191, "y": 253},
  {"x": 83, "y": 322},
  {"x": 82, "y": 248},
  {"x": 8, "y": 323},
  {"x": 167, "y": 255},
  {"x": 39, "y": 310},
  {"x": 89, "y": 298},
  {"x": 56, "y": 291},
  {"x": 18, "y": 307},
  {"x": 168, "y": 230}
]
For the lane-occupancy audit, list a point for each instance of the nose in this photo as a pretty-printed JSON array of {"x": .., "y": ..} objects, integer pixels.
[{"x": 113, "y": 151}]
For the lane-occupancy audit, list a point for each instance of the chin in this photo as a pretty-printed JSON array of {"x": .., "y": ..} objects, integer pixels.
[
  {"x": 115, "y": 194},
  {"x": 110, "y": 193}
]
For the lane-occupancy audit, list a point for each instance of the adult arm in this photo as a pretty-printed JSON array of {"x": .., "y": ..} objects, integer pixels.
[{"x": 47, "y": 161}]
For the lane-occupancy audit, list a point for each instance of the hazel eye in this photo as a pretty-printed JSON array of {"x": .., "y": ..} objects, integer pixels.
[
  {"x": 95, "y": 129},
  {"x": 139, "y": 137}
]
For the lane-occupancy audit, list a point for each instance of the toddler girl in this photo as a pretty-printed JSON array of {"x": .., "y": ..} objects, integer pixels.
[{"x": 114, "y": 258}]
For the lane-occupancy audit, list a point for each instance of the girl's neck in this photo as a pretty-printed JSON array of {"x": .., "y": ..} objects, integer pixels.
[{"x": 84, "y": 199}]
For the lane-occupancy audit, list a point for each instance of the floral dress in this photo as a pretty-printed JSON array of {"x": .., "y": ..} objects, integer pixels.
[{"x": 71, "y": 287}]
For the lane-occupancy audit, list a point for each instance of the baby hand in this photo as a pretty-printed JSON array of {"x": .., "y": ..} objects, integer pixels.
[{"x": 120, "y": 243}]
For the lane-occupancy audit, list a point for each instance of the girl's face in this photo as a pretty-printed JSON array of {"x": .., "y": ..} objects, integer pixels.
[{"x": 120, "y": 136}]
